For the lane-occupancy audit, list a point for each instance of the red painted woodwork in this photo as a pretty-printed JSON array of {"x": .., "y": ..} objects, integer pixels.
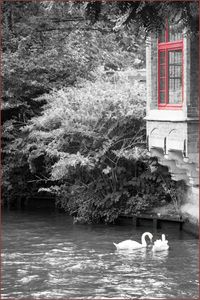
[{"x": 170, "y": 62}]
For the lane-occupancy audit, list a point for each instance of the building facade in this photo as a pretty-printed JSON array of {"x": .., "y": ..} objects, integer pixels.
[{"x": 172, "y": 113}]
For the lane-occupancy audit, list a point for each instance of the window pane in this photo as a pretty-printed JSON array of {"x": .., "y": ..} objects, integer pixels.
[
  {"x": 162, "y": 36},
  {"x": 175, "y": 76},
  {"x": 162, "y": 97},
  {"x": 175, "y": 30},
  {"x": 162, "y": 57},
  {"x": 162, "y": 83},
  {"x": 162, "y": 71}
]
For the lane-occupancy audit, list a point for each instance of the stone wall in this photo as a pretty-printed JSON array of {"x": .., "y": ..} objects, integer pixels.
[
  {"x": 190, "y": 75},
  {"x": 151, "y": 55},
  {"x": 173, "y": 135},
  {"x": 193, "y": 70}
]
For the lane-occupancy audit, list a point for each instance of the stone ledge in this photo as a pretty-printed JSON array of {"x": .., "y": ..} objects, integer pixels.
[{"x": 169, "y": 116}]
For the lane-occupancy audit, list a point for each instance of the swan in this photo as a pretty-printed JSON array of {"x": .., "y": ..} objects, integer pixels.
[
  {"x": 131, "y": 245},
  {"x": 160, "y": 245}
]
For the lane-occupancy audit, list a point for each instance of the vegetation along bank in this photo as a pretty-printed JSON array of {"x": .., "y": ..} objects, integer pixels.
[{"x": 74, "y": 103}]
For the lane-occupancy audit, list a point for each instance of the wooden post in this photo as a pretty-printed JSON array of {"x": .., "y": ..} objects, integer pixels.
[
  {"x": 155, "y": 223},
  {"x": 136, "y": 221},
  {"x": 180, "y": 225},
  {"x": 159, "y": 224}
]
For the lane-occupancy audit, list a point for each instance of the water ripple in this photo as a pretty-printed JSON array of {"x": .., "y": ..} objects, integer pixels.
[{"x": 56, "y": 260}]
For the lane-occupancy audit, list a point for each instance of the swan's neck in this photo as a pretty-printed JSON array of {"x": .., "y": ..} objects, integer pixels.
[
  {"x": 163, "y": 237},
  {"x": 143, "y": 239}
]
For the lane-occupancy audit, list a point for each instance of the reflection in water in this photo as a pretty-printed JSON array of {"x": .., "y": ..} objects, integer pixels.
[
  {"x": 46, "y": 256},
  {"x": 162, "y": 255}
]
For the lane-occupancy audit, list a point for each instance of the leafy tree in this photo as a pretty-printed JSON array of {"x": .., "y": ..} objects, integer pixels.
[
  {"x": 72, "y": 119},
  {"x": 43, "y": 52},
  {"x": 148, "y": 15},
  {"x": 93, "y": 138}
]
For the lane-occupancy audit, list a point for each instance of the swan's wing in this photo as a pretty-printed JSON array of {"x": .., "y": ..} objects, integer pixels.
[
  {"x": 157, "y": 242},
  {"x": 128, "y": 244}
]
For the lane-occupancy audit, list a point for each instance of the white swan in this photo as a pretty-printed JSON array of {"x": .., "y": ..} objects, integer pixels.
[
  {"x": 131, "y": 245},
  {"x": 160, "y": 245}
]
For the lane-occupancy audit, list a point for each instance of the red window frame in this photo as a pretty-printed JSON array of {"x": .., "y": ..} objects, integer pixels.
[{"x": 165, "y": 47}]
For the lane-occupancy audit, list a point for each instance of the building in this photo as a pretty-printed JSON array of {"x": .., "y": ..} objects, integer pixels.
[{"x": 172, "y": 107}]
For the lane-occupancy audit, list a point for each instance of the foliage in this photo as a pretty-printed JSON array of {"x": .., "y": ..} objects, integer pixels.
[
  {"x": 129, "y": 189},
  {"x": 74, "y": 105},
  {"x": 46, "y": 46},
  {"x": 81, "y": 124},
  {"x": 83, "y": 133},
  {"x": 148, "y": 15},
  {"x": 177, "y": 192},
  {"x": 93, "y": 137}
]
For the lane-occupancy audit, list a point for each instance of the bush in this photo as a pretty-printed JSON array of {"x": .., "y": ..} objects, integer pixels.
[{"x": 93, "y": 137}]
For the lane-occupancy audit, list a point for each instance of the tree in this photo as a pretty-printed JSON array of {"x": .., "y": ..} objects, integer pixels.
[
  {"x": 72, "y": 121},
  {"x": 144, "y": 14},
  {"x": 42, "y": 53}
]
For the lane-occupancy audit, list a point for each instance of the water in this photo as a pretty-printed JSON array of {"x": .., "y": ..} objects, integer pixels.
[{"x": 46, "y": 256}]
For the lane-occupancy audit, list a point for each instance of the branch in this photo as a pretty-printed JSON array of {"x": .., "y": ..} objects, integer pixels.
[
  {"x": 103, "y": 31},
  {"x": 40, "y": 179},
  {"x": 67, "y": 20}
]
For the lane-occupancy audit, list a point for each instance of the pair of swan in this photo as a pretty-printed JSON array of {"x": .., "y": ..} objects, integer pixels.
[
  {"x": 159, "y": 245},
  {"x": 131, "y": 245}
]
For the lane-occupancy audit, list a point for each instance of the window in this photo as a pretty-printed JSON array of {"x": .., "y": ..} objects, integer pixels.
[{"x": 170, "y": 67}]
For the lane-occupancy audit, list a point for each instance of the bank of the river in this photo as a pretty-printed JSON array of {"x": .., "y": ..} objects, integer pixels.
[
  {"x": 165, "y": 222},
  {"x": 161, "y": 217},
  {"x": 46, "y": 256}
]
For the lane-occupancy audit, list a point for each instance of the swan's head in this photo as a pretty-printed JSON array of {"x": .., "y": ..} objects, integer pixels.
[{"x": 148, "y": 234}]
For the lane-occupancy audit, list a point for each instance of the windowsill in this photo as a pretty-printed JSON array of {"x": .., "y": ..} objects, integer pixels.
[
  {"x": 168, "y": 115},
  {"x": 170, "y": 107}
]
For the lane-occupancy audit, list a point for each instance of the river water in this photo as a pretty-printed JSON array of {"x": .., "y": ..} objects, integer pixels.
[{"x": 45, "y": 256}]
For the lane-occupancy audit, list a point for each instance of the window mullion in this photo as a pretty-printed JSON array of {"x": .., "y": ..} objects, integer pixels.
[
  {"x": 158, "y": 78},
  {"x": 166, "y": 77},
  {"x": 167, "y": 31}
]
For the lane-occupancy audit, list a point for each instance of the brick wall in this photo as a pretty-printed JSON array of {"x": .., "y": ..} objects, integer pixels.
[
  {"x": 193, "y": 141},
  {"x": 152, "y": 62},
  {"x": 190, "y": 75},
  {"x": 193, "y": 102},
  {"x": 179, "y": 128}
]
